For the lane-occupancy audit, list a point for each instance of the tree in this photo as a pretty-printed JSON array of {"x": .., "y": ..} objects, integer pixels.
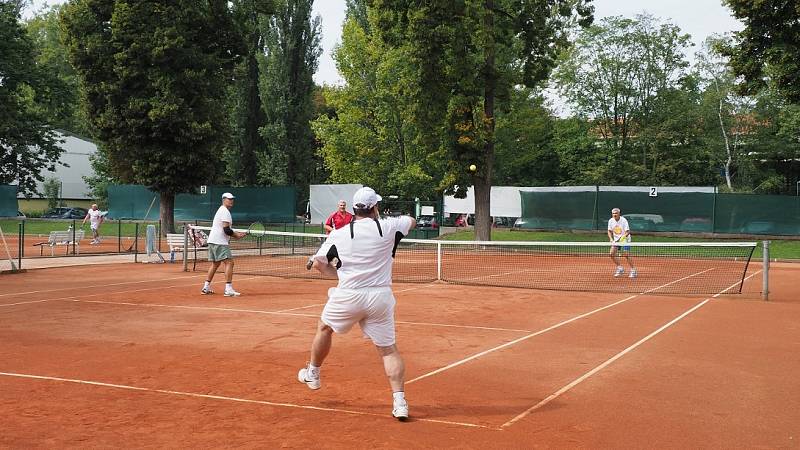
[
  {"x": 63, "y": 111},
  {"x": 245, "y": 106},
  {"x": 372, "y": 138},
  {"x": 768, "y": 47},
  {"x": 154, "y": 74},
  {"x": 467, "y": 56},
  {"x": 623, "y": 75},
  {"x": 28, "y": 143},
  {"x": 292, "y": 54}
]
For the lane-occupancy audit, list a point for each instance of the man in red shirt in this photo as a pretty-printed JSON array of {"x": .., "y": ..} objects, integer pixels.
[{"x": 339, "y": 218}]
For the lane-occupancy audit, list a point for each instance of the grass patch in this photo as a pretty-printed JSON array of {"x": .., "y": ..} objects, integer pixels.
[
  {"x": 44, "y": 227},
  {"x": 778, "y": 248}
]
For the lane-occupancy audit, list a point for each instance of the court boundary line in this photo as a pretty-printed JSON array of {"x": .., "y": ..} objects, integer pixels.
[
  {"x": 619, "y": 355},
  {"x": 545, "y": 330},
  {"x": 237, "y": 399}
]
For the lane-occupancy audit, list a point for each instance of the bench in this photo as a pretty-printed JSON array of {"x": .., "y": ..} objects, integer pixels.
[
  {"x": 64, "y": 238},
  {"x": 175, "y": 242}
]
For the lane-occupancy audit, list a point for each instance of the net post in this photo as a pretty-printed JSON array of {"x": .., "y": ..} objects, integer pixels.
[
  {"x": 73, "y": 236},
  {"x": 185, "y": 247},
  {"x": 439, "y": 261},
  {"x": 765, "y": 272}
]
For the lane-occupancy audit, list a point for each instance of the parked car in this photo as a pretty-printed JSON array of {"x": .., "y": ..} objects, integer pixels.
[
  {"x": 65, "y": 213},
  {"x": 20, "y": 215},
  {"x": 427, "y": 223}
]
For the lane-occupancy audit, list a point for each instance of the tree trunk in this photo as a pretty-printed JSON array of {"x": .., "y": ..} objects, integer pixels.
[
  {"x": 482, "y": 178},
  {"x": 167, "y": 216}
]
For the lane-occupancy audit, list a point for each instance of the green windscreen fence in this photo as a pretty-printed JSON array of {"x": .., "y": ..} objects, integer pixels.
[
  {"x": 8, "y": 201},
  {"x": 695, "y": 210},
  {"x": 263, "y": 204}
]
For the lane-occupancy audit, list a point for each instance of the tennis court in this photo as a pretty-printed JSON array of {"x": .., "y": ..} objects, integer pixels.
[{"x": 131, "y": 355}]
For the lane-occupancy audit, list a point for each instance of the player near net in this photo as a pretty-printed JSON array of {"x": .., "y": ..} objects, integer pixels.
[
  {"x": 361, "y": 255},
  {"x": 619, "y": 234},
  {"x": 219, "y": 250}
]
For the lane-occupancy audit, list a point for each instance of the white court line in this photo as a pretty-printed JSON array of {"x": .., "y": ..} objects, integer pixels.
[
  {"x": 77, "y": 298},
  {"x": 619, "y": 355},
  {"x": 323, "y": 304},
  {"x": 233, "y": 399},
  {"x": 101, "y": 285},
  {"x": 550, "y": 328},
  {"x": 276, "y": 313}
]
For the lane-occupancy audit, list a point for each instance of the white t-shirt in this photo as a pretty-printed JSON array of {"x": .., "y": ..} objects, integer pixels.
[
  {"x": 618, "y": 228},
  {"x": 367, "y": 257},
  {"x": 95, "y": 216},
  {"x": 217, "y": 235}
]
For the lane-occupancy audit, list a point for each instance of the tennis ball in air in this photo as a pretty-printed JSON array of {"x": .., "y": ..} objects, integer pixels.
[{"x": 473, "y": 168}]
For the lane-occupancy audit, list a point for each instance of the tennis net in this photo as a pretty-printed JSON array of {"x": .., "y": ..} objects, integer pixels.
[{"x": 670, "y": 268}]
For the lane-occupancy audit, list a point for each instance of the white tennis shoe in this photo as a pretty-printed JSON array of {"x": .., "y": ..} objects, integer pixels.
[
  {"x": 400, "y": 410},
  {"x": 231, "y": 293},
  {"x": 619, "y": 271},
  {"x": 206, "y": 291},
  {"x": 307, "y": 376},
  {"x": 632, "y": 274}
]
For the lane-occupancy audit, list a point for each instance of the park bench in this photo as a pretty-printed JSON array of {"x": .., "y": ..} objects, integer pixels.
[
  {"x": 175, "y": 241},
  {"x": 65, "y": 238}
]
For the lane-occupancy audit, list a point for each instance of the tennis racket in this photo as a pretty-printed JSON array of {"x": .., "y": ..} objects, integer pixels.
[{"x": 255, "y": 233}]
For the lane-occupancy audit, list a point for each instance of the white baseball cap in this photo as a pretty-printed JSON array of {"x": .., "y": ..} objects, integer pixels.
[
  {"x": 365, "y": 198},
  {"x": 227, "y": 195}
]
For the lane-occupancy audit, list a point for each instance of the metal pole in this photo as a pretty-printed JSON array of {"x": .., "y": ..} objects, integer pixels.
[
  {"x": 73, "y": 236},
  {"x": 438, "y": 261},
  {"x": 119, "y": 235},
  {"x": 136, "y": 244},
  {"x": 185, "y": 247},
  {"x": 21, "y": 244},
  {"x": 765, "y": 283}
]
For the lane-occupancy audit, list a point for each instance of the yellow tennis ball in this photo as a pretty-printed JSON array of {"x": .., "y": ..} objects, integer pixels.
[{"x": 473, "y": 168}]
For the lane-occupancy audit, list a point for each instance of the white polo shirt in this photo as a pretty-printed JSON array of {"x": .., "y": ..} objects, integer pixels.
[
  {"x": 618, "y": 227},
  {"x": 95, "y": 216},
  {"x": 217, "y": 234},
  {"x": 367, "y": 257}
]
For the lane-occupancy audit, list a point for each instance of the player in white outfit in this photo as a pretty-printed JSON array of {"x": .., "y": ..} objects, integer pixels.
[
  {"x": 619, "y": 234},
  {"x": 361, "y": 255}
]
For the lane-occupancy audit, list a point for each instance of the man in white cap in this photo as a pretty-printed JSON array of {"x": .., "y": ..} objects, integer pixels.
[
  {"x": 219, "y": 250},
  {"x": 361, "y": 254}
]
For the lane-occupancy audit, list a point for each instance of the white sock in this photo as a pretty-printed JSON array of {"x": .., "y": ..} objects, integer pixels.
[
  {"x": 207, "y": 284},
  {"x": 399, "y": 396},
  {"x": 314, "y": 370},
  {"x": 228, "y": 286}
]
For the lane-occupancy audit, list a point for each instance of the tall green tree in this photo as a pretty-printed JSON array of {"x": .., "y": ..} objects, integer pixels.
[
  {"x": 292, "y": 45},
  {"x": 768, "y": 47},
  {"x": 372, "y": 139},
  {"x": 154, "y": 74},
  {"x": 625, "y": 76},
  {"x": 245, "y": 107},
  {"x": 28, "y": 143},
  {"x": 64, "y": 110},
  {"x": 468, "y": 55}
]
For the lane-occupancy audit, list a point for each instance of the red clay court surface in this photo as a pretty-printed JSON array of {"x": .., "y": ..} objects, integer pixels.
[{"x": 132, "y": 356}]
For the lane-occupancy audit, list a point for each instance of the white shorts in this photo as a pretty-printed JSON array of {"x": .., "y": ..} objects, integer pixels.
[{"x": 372, "y": 308}]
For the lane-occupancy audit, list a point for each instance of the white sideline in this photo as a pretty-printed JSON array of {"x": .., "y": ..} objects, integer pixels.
[
  {"x": 619, "y": 355},
  {"x": 232, "y": 399},
  {"x": 550, "y": 328}
]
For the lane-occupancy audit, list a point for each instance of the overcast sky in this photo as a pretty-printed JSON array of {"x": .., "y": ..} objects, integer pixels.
[{"x": 699, "y": 18}]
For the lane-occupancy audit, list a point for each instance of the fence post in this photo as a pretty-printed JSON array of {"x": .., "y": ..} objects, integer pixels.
[
  {"x": 185, "y": 247},
  {"x": 136, "y": 244},
  {"x": 73, "y": 237},
  {"x": 765, "y": 282},
  {"x": 21, "y": 241},
  {"x": 595, "y": 213}
]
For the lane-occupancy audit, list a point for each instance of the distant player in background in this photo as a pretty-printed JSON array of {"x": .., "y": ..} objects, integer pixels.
[
  {"x": 361, "y": 255},
  {"x": 339, "y": 218},
  {"x": 619, "y": 234},
  {"x": 219, "y": 250},
  {"x": 95, "y": 218}
]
